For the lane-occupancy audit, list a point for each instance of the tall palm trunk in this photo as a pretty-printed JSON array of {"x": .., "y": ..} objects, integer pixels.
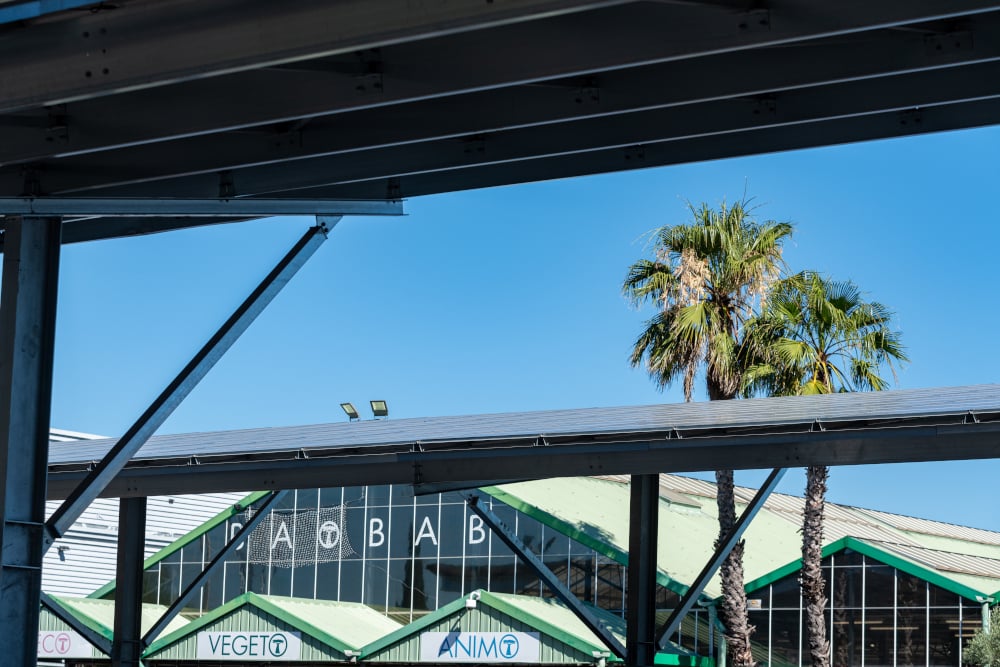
[
  {"x": 734, "y": 596},
  {"x": 813, "y": 593}
]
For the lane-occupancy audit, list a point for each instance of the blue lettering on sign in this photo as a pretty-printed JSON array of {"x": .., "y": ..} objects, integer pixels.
[{"x": 479, "y": 647}]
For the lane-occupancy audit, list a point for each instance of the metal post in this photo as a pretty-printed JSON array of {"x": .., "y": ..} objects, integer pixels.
[
  {"x": 194, "y": 585},
  {"x": 27, "y": 339},
  {"x": 126, "y": 647},
  {"x": 721, "y": 553},
  {"x": 546, "y": 575},
  {"x": 91, "y": 487},
  {"x": 641, "y": 585}
]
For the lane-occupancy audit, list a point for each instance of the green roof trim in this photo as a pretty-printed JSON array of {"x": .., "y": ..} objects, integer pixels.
[
  {"x": 490, "y": 600},
  {"x": 879, "y": 554},
  {"x": 89, "y": 621},
  {"x": 683, "y": 660},
  {"x": 265, "y": 604},
  {"x": 543, "y": 625},
  {"x": 190, "y": 537},
  {"x": 568, "y": 529}
]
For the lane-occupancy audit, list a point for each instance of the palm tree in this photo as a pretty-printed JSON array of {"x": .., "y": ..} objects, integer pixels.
[
  {"x": 817, "y": 336},
  {"x": 706, "y": 280}
]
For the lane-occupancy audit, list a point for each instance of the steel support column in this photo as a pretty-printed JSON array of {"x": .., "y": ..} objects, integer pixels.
[
  {"x": 137, "y": 435},
  {"x": 126, "y": 647},
  {"x": 196, "y": 583},
  {"x": 547, "y": 576},
  {"x": 27, "y": 338},
  {"x": 641, "y": 585},
  {"x": 721, "y": 553}
]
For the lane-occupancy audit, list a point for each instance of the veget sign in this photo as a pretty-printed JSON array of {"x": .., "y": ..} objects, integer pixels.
[
  {"x": 479, "y": 647},
  {"x": 63, "y": 644},
  {"x": 249, "y": 646}
]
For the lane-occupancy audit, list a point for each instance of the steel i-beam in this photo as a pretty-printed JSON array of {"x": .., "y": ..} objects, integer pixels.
[
  {"x": 210, "y": 569},
  {"x": 721, "y": 553},
  {"x": 546, "y": 575},
  {"x": 640, "y": 590},
  {"x": 27, "y": 339},
  {"x": 181, "y": 386},
  {"x": 126, "y": 647}
]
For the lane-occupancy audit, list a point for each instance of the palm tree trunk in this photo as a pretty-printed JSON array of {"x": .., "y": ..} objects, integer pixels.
[
  {"x": 734, "y": 597},
  {"x": 813, "y": 593}
]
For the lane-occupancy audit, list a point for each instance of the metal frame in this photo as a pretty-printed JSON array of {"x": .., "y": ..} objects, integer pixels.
[
  {"x": 126, "y": 645},
  {"x": 189, "y": 377},
  {"x": 234, "y": 542},
  {"x": 722, "y": 551},
  {"x": 27, "y": 339},
  {"x": 188, "y": 207},
  {"x": 640, "y": 589},
  {"x": 546, "y": 575}
]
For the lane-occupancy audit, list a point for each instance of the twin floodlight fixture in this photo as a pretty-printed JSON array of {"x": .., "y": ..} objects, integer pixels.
[{"x": 380, "y": 410}]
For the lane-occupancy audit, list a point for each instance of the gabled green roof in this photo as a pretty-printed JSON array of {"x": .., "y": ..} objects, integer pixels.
[
  {"x": 99, "y": 615},
  {"x": 546, "y": 615},
  {"x": 343, "y": 626},
  {"x": 190, "y": 537}
]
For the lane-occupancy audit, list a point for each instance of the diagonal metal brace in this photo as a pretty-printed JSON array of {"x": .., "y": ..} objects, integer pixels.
[
  {"x": 546, "y": 575},
  {"x": 721, "y": 552},
  {"x": 192, "y": 588},
  {"x": 102, "y": 643},
  {"x": 137, "y": 435}
]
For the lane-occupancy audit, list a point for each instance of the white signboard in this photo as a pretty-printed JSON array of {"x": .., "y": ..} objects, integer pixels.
[
  {"x": 249, "y": 645},
  {"x": 479, "y": 647},
  {"x": 63, "y": 644}
]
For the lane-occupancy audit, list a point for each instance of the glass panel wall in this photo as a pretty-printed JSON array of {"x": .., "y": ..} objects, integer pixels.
[{"x": 878, "y": 616}]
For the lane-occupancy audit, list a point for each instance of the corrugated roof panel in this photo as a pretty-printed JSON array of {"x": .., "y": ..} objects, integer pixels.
[
  {"x": 352, "y": 623},
  {"x": 944, "y": 561},
  {"x": 733, "y": 416},
  {"x": 929, "y": 527}
]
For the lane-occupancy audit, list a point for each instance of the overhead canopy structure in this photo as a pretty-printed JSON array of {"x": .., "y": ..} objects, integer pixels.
[
  {"x": 316, "y": 101},
  {"x": 837, "y": 429}
]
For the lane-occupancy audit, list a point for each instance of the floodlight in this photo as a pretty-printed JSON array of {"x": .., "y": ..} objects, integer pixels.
[
  {"x": 352, "y": 412},
  {"x": 380, "y": 409}
]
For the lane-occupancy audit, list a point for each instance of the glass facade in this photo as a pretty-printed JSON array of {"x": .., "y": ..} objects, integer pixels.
[
  {"x": 877, "y": 616},
  {"x": 382, "y": 546}
]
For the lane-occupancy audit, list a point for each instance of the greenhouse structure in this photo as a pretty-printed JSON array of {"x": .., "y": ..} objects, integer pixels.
[{"x": 376, "y": 574}]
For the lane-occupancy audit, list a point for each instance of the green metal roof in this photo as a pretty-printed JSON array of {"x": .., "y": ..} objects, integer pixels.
[
  {"x": 595, "y": 512},
  {"x": 340, "y": 625},
  {"x": 99, "y": 615}
]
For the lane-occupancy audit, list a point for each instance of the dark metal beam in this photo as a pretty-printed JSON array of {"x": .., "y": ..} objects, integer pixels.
[
  {"x": 640, "y": 589},
  {"x": 481, "y": 115},
  {"x": 650, "y": 453},
  {"x": 889, "y": 124},
  {"x": 161, "y": 408},
  {"x": 546, "y": 575},
  {"x": 100, "y": 642},
  {"x": 578, "y": 46},
  {"x": 27, "y": 340},
  {"x": 673, "y": 622},
  {"x": 126, "y": 647},
  {"x": 206, "y": 207},
  {"x": 195, "y": 585},
  {"x": 622, "y": 131},
  {"x": 149, "y": 44}
]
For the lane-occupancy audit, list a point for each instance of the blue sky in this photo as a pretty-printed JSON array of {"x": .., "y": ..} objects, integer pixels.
[{"x": 509, "y": 299}]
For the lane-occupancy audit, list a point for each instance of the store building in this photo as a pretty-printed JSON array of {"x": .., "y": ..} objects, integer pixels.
[{"x": 903, "y": 591}]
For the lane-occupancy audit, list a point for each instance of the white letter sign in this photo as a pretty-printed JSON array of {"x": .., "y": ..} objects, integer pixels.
[
  {"x": 249, "y": 646},
  {"x": 63, "y": 644}
]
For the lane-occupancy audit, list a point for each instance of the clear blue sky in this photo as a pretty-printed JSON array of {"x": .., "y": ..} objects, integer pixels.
[{"x": 509, "y": 299}]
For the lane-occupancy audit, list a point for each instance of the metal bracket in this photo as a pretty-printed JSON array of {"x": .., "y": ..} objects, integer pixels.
[
  {"x": 913, "y": 117},
  {"x": 474, "y": 146},
  {"x": 817, "y": 426},
  {"x": 227, "y": 188},
  {"x": 635, "y": 153},
  {"x": 949, "y": 43},
  {"x": 755, "y": 20},
  {"x": 589, "y": 93},
  {"x": 970, "y": 418}
]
